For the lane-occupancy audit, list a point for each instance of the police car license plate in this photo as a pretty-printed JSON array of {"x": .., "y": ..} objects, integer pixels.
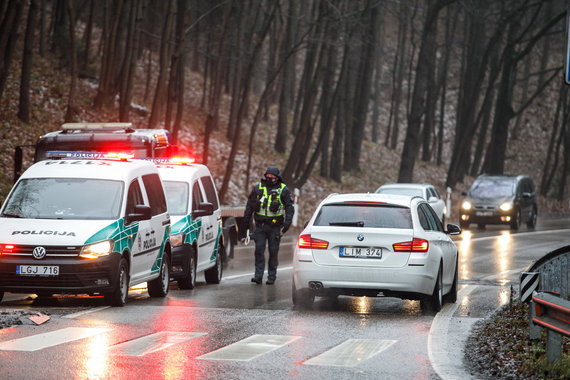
[
  {"x": 37, "y": 270},
  {"x": 361, "y": 252}
]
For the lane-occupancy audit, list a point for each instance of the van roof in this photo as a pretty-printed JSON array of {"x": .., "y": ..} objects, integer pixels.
[{"x": 81, "y": 168}]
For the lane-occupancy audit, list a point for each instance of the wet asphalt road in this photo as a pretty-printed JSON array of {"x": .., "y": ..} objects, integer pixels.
[{"x": 240, "y": 330}]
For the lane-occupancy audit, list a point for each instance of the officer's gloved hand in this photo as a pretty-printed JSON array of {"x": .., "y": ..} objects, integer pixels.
[{"x": 285, "y": 228}]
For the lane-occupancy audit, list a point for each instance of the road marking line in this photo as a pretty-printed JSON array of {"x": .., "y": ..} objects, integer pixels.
[
  {"x": 517, "y": 234},
  {"x": 250, "y": 348},
  {"x": 152, "y": 343},
  {"x": 438, "y": 351},
  {"x": 80, "y": 313},
  {"x": 53, "y": 338},
  {"x": 351, "y": 352},
  {"x": 501, "y": 274},
  {"x": 282, "y": 269}
]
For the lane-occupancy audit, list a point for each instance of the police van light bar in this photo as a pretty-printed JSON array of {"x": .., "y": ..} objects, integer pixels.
[
  {"x": 183, "y": 160},
  {"x": 88, "y": 155},
  {"x": 120, "y": 156}
]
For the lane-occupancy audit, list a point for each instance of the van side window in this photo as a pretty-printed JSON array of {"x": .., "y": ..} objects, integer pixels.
[
  {"x": 155, "y": 193},
  {"x": 196, "y": 196},
  {"x": 134, "y": 197},
  {"x": 210, "y": 191}
]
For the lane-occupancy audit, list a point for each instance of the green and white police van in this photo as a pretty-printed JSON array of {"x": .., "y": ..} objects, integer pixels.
[
  {"x": 86, "y": 224},
  {"x": 196, "y": 236}
]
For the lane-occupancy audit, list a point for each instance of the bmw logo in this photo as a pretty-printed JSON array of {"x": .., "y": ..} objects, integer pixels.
[
  {"x": 39, "y": 253},
  {"x": 360, "y": 237}
]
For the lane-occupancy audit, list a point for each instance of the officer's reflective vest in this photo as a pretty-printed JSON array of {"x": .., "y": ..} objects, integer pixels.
[{"x": 274, "y": 195}]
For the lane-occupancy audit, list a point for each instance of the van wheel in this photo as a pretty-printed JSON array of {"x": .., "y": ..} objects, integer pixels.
[
  {"x": 189, "y": 280},
  {"x": 159, "y": 286},
  {"x": 532, "y": 221},
  {"x": 434, "y": 302},
  {"x": 118, "y": 297},
  {"x": 214, "y": 274},
  {"x": 517, "y": 220}
]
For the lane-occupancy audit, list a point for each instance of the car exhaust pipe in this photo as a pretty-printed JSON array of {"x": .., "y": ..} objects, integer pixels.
[{"x": 315, "y": 285}]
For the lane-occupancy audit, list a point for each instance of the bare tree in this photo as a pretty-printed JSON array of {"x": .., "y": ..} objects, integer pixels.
[{"x": 24, "y": 104}]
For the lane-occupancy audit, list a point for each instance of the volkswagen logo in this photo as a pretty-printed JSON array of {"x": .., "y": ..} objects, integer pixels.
[
  {"x": 360, "y": 237},
  {"x": 39, "y": 253}
]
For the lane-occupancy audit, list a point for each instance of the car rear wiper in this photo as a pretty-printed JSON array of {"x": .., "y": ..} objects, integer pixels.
[{"x": 359, "y": 223}]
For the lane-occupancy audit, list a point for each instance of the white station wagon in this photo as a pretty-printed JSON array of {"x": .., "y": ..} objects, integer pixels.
[{"x": 376, "y": 245}]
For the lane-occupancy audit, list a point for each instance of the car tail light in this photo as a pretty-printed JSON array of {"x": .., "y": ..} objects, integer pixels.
[
  {"x": 306, "y": 241},
  {"x": 416, "y": 245}
]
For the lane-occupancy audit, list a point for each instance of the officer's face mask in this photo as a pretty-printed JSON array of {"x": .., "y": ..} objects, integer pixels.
[{"x": 270, "y": 180}]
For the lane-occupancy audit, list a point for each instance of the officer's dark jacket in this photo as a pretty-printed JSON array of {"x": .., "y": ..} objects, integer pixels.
[{"x": 253, "y": 204}]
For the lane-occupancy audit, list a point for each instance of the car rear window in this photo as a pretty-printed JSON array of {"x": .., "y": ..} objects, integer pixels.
[{"x": 364, "y": 215}]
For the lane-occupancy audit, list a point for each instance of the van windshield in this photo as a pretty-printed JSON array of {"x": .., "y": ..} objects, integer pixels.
[
  {"x": 176, "y": 197},
  {"x": 65, "y": 198},
  {"x": 493, "y": 188}
]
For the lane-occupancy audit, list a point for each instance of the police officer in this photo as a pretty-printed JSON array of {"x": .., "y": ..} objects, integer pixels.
[{"x": 271, "y": 204}]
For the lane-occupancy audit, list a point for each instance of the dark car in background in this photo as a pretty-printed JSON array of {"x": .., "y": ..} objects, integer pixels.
[{"x": 500, "y": 199}]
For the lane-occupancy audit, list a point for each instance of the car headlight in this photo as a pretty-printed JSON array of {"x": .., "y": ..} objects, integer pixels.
[
  {"x": 506, "y": 206},
  {"x": 96, "y": 250},
  {"x": 177, "y": 239},
  {"x": 466, "y": 205}
]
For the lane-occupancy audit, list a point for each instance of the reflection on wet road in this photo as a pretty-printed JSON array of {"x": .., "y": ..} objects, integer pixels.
[{"x": 242, "y": 330}]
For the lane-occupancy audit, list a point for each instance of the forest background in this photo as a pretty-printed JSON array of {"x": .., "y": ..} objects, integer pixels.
[{"x": 342, "y": 95}]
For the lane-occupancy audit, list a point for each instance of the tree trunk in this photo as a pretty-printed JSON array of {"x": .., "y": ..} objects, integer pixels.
[
  {"x": 420, "y": 87},
  {"x": 393, "y": 132},
  {"x": 159, "y": 102},
  {"x": 8, "y": 36},
  {"x": 364, "y": 84},
  {"x": 24, "y": 104},
  {"x": 72, "y": 101}
]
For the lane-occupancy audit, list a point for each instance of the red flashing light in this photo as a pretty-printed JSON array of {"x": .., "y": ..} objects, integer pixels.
[
  {"x": 7, "y": 248},
  {"x": 120, "y": 155},
  {"x": 306, "y": 241},
  {"x": 183, "y": 160},
  {"x": 416, "y": 245}
]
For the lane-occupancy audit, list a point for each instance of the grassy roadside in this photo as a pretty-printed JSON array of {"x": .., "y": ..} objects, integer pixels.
[{"x": 499, "y": 348}]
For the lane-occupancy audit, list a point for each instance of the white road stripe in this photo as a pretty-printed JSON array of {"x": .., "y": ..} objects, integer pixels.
[
  {"x": 438, "y": 347},
  {"x": 152, "y": 343},
  {"x": 53, "y": 338},
  {"x": 80, "y": 313},
  {"x": 250, "y": 348},
  {"x": 351, "y": 352}
]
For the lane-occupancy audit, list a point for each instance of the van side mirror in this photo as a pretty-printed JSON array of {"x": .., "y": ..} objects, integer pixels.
[
  {"x": 142, "y": 212},
  {"x": 432, "y": 199},
  {"x": 204, "y": 209},
  {"x": 453, "y": 229}
]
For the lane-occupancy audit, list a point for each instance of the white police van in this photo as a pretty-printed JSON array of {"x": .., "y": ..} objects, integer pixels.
[
  {"x": 84, "y": 225},
  {"x": 196, "y": 235}
]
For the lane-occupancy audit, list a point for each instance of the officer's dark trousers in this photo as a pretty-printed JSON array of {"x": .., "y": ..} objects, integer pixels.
[{"x": 270, "y": 234}]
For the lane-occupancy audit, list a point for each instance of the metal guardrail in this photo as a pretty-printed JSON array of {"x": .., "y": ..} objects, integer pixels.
[
  {"x": 552, "y": 313},
  {"x": 545, "y": 284}
]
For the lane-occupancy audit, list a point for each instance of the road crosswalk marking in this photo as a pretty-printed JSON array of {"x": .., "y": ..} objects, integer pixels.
[
  {"x": 351, "y": 352},
  {"x": 52, "y": 338},
  {"x": 152, "y": 343},
  {"x": 250, "y": 348}
]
